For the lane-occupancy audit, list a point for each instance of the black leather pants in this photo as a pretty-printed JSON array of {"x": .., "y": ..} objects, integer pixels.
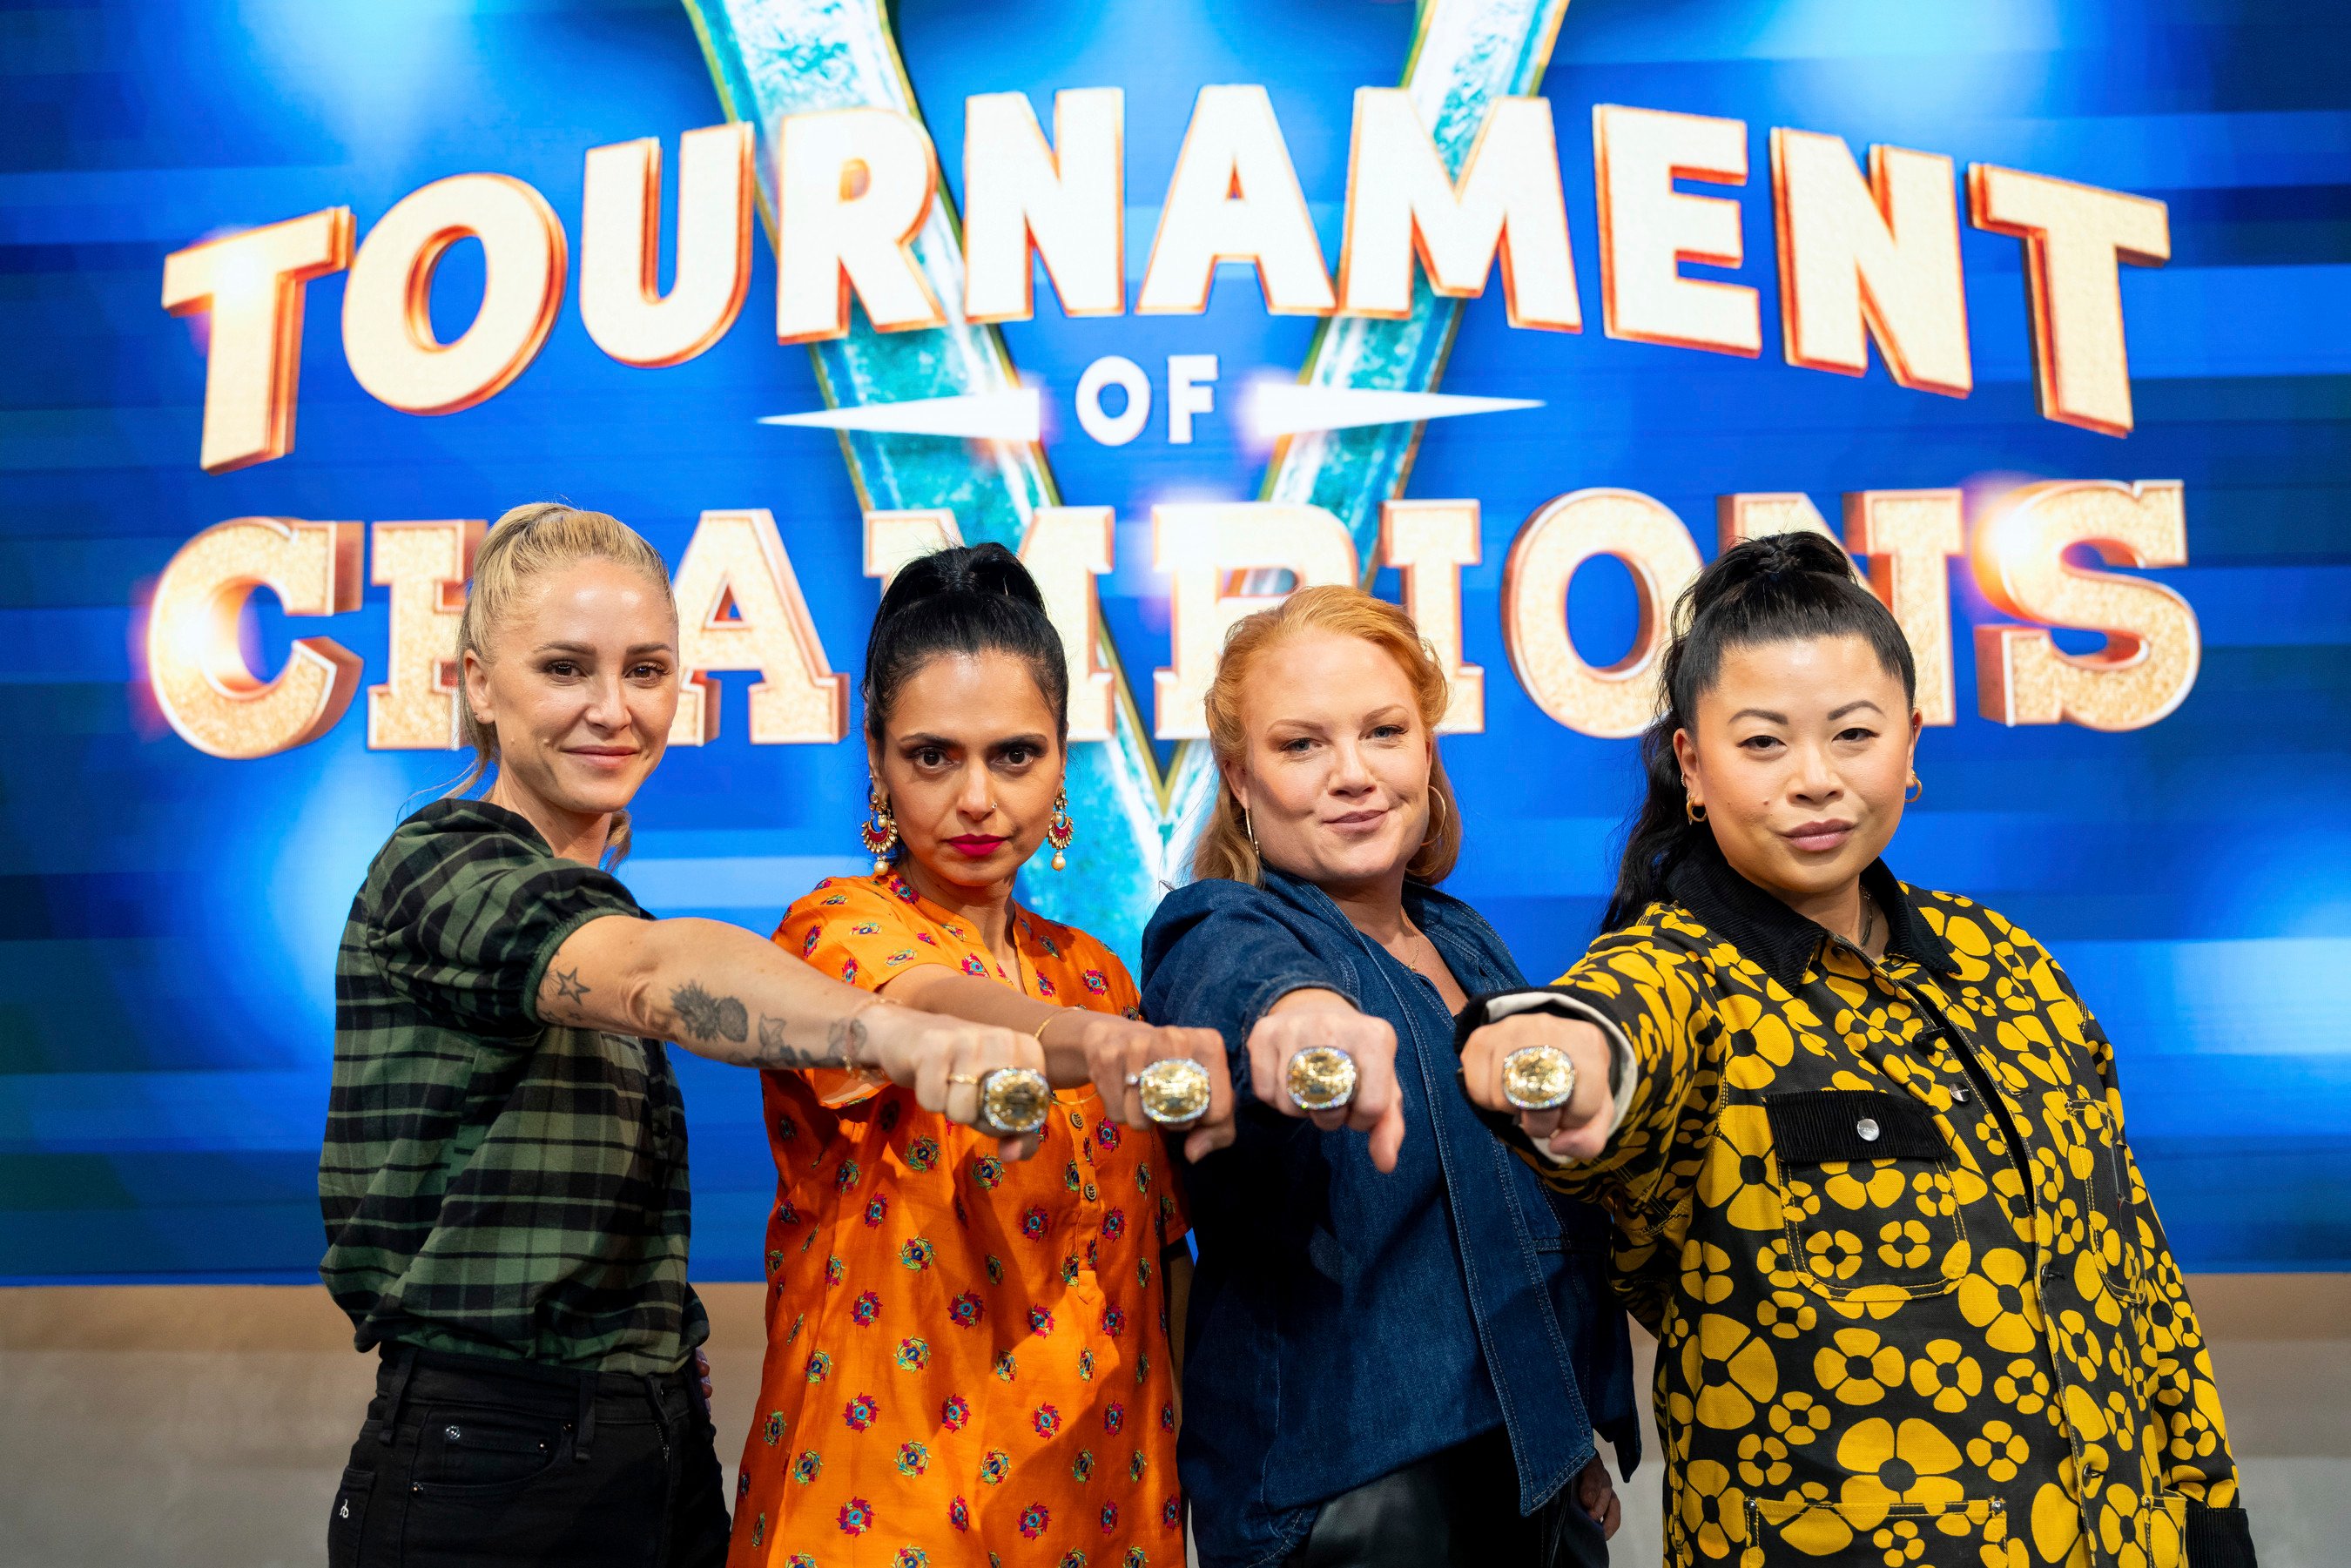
[{"x": 1457, "y": 1508}]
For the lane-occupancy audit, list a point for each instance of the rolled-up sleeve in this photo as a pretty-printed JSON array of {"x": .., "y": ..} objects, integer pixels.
[{"x": 465, "y": 924}]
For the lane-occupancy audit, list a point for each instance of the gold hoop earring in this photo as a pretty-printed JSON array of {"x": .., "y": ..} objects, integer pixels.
[
  {"x": 1249, "y": 826},
  {"x": 880, "y": 833},
  {"x": 1436, "y": 819},
  {"x": 1695, "y": 813},
  {"x": 1060, "y": 830},
  {"x": 1917, "y": 790}
]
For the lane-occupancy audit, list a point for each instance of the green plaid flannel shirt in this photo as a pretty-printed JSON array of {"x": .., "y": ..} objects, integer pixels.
[{"x": 491, "y": 1183}]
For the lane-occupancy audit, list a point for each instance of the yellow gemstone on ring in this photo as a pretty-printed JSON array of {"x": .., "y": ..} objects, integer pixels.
[
  {"x": 1322, "y": 1078},
  {"x": 1538, "y": 1078},
  {"x": 1014, "y": 1100},
  {"x": 1174, "y": 1092}
]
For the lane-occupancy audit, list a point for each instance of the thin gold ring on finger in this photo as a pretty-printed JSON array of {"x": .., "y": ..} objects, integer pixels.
[
  {"x": 1538, "y": 1078},
  {"x": 1013, "y": 1100},
  {"x": 1320, "y": 1078},
  {"x": 971, "y": 1078},
  {"x": 1174, "y": 1091}
]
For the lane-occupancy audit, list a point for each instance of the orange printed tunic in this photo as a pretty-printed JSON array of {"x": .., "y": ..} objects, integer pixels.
[{"x": 965, "y": 1356}]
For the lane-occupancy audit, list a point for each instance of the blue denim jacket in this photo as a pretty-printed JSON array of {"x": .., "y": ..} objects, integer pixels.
[{"x": 1344, "y": 1323}]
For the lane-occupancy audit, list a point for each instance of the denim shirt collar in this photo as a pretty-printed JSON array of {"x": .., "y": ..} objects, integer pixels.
[{"x": 1472, "y": 948}]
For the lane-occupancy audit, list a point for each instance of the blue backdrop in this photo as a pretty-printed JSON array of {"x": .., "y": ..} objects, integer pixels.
[{"x": 168, "y": 920}]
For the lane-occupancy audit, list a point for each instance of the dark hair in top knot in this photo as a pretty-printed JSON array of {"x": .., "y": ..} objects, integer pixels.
[
  {"x": 1793, "y": 587},
  {"x": 967, "y": 600}
]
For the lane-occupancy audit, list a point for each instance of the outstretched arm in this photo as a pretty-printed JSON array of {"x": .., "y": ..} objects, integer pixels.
[
  {"x": 721, "y": 992},
  {"x": 1635, "y": 1018},
  {"x": 1082, "y": 1046},
  {"x": 1224, "y": 957}
]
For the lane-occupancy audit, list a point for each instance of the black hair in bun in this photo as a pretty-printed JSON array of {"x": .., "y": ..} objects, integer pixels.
[{"x": 967, "y": 600}]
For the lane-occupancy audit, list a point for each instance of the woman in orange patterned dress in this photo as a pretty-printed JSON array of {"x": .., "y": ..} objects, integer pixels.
[{"x": 969, "y": 1351}]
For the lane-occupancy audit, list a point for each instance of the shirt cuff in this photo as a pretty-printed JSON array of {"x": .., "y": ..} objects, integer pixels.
[
  {"x": 1270, "y": 991},
  {"x": 1624, "y": 1067},
  {"x": 1261, "y": 1000}
]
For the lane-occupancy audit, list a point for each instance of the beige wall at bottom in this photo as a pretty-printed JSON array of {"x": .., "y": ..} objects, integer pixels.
[{"x": 205, "y": 1427}]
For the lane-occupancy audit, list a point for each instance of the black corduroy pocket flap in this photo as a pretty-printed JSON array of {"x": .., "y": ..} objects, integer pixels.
[{"x": 1813, "y": 1125}]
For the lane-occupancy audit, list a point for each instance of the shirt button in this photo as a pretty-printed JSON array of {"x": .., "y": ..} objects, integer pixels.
[
  {"x": 1867, "y": 1128},
  {"x": 1959, "y": 1092}
]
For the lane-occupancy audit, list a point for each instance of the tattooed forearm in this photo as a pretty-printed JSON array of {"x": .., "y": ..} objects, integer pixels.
[
  {"x": 707, "y": 1017},
  {"x": 847, "y": 1037},
  {"x": 777, "y": 1051},
  {"x": 568, "y": 987}
]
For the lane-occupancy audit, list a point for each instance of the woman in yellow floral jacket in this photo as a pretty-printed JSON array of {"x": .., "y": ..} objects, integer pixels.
[{"x": 1863, "y": 1144}]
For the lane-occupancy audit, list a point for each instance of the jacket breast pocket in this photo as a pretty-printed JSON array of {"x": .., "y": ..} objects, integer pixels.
[{"x": 1865, "y": 1189}]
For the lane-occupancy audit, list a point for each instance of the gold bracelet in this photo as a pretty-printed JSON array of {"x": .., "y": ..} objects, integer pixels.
[{"x": 1039, "y": 1032}]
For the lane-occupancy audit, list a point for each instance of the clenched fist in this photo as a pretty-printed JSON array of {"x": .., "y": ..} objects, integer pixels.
[
  {"x": 1117, "y": 1049},
  {"x": 1304, "y": 1019},
  {"x": 1578, "y": 1130},
  {"x": 944, "y": 1058}
]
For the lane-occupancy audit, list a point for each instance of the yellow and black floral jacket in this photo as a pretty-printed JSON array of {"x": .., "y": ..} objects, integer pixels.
[{"x": 1912, "y": 1304}]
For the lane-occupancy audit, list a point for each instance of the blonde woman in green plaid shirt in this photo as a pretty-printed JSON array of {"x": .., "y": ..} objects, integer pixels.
[{"x": 504, "y": 1174}]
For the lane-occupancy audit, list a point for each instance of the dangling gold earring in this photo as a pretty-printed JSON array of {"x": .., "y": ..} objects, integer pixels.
[
  {"x": 1249, "y": 826},
  {"x": 879, "y": 834},
  {"x": 1060, "y": 830},
  {"x": 1694, "y": 811},
  {"x": 1916, "y": 789},
  {"x": 1436, "y": 819}
]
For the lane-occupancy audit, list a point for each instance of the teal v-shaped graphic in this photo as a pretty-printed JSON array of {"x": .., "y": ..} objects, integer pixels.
[{"x": 776, "y": 58}]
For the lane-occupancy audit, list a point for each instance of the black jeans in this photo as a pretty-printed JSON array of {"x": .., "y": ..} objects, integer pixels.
[
  {"x": 473, "y": 1462},
  {"x": 1457, "y": 1509}
]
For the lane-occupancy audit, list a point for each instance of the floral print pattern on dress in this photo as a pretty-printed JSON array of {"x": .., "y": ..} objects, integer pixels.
[{"x": 900, "y": 1209}]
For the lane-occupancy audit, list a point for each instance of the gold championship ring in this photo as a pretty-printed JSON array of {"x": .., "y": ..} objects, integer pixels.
[
  {"x": 1322, "y": 1078},
  {"x": 1538, "y": 1078},
  {"x": 1174, "y": 1092},
  {"x": 1013, "y": 1100}
]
